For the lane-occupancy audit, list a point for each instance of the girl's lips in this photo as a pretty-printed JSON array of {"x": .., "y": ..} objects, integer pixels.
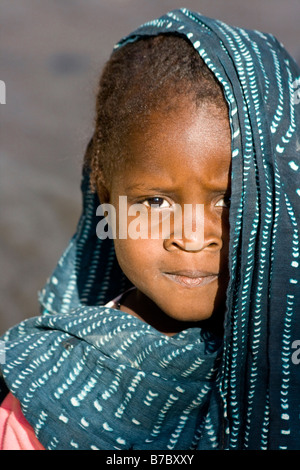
[{"x": 192, "y": 279}]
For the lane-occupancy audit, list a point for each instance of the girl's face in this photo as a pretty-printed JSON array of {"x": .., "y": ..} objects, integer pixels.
[{"x": 182, "y": 157}]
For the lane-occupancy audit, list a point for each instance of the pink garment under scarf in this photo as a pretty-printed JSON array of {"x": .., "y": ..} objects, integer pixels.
[{"x": 15, "y": 431}]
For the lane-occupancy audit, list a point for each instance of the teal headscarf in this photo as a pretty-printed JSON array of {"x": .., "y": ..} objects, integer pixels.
[{"x": 81, "y": 379}]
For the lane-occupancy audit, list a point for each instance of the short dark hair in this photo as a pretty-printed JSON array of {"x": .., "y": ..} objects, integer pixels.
[{"x": 145, "y": 75}]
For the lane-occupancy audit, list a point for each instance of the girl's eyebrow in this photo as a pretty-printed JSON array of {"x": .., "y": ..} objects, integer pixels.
[
  {"x": 222, "y": 189},
  {"x": 144, "y": 187}
]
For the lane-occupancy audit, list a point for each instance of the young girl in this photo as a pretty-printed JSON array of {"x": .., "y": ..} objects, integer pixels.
[{"x": 176, "y": 341}]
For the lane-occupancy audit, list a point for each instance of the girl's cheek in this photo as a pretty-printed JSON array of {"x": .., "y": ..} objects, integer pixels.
[{"x": 136, "y": 254}]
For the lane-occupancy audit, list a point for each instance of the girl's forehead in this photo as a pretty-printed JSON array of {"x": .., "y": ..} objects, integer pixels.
[
  {"x": 201, "y": 130},
  {"x": 181, "y": 146}
]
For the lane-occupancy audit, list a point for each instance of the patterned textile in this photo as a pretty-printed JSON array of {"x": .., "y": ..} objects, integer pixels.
[
  {"x": 62, "y": 364},
  {"x": 101, "y": 379}
]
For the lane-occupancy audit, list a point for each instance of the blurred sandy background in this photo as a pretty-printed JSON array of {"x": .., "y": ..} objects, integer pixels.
[{"x": 52, "y": 52}]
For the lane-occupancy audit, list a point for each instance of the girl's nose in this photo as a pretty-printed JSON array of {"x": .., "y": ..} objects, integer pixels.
[{"x": 204, "y": 234}]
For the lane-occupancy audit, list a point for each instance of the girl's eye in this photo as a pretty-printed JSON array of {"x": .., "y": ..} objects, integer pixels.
[
  {"x": 224, "y": 202},
  {"x": 157, "y": 201}
]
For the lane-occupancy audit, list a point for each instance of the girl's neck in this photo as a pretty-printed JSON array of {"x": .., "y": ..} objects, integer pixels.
[{"x": 139, "y": 305}]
